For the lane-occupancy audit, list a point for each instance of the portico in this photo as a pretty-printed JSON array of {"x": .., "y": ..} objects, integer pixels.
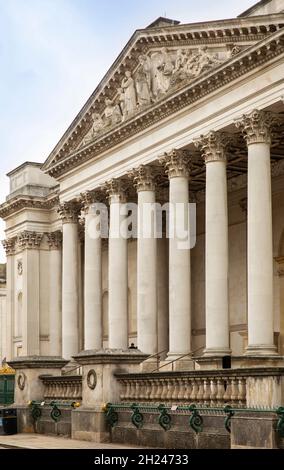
[{"x": 197, "y": 133}]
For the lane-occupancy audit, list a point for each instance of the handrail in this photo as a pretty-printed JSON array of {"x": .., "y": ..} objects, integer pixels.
[
  {"x": 175, "y": 360},
  {"x": 156, "y": 354},
  {"x": 68, "y": 372},
  {"x": 171, "y": 362}
]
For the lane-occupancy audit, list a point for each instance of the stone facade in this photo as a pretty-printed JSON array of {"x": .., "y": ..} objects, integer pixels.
[{"x": 191, "y": 112}]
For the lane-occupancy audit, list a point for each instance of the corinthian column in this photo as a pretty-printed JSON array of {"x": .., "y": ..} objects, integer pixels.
[
  {"x": 216, "y": 247},
  {"x": 118, "y": 268},
  {"x": 256, "y": 128},
  {"x": 6, "y": 333},
  {"x": 29, "y": 243},
  {"x": 177, "y": 168},
  {"x": 55, "y": 299},
  {"x": 93, "y": 274},
  {"x": 70, "y": 276},
  {"x": 147, "y": 334}
]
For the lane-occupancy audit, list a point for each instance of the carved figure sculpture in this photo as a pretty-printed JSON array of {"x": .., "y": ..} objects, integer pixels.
[
  {"x": 143, "y": 81},
  {"x": 130, "y": 103}
]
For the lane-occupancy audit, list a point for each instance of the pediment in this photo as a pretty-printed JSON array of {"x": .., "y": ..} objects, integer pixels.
[{"x": 157, "y": 63}]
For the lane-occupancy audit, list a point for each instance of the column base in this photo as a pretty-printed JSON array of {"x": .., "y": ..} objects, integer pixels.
[
  {"x": 150, "y": 365},
  {"x": 177, "y": 362},
  {"x": 261, "y": 350},
  {"x": 220, "y": 352}
]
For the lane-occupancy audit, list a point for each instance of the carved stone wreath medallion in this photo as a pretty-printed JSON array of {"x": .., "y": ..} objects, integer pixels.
[
  {"x": 92, "y": 379},
  {"x": 21, "y": 381}
]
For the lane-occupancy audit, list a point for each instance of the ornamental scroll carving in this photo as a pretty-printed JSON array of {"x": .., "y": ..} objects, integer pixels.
[{"x": 155, "y": 76}]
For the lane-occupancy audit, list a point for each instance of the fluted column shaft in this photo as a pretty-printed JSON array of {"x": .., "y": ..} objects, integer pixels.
[
  {"x": 70, "y": 281},
  {"x": 93, "y": 277},
  {"x": 177, "y": 167},
  {"x": 118, "y": 268},
  {"x": 55, "y": 288},
  {"x": 256, "y": 127},
  {"x": 147, "y": 322},
  {"x": 216, "y": 245}
]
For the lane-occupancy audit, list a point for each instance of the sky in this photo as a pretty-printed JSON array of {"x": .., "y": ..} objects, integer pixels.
[{"x": 53, "y": 53}]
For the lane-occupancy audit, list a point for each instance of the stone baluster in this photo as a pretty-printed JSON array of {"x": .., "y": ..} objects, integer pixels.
[
  {"x": 187, "y": 389},
  {"x": 213, "y": 391},
  {"x": 242, "y": 392},
  {"x": 153, "y": 390},
  {"x": 228, "y": 392},
  {"x": 194, "y": 392},
  {"x": 170, "y": 390},
  {"x": 181, "y": 389},
  {"x": 220, "y": 392},
  {"x": 206, "y": 397},
  {"x": 235, "y": 391},
  {"x": 175, "y": 390},
  {"x": 200, "y": 392}
]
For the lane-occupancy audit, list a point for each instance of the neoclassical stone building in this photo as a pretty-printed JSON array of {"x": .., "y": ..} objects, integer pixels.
[{"x": 187, "y": 113}]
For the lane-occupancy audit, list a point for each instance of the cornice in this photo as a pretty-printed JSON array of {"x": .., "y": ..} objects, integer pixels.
[
  {"x": 15, "y": 205},
  {"x": 230, "y": 70}
]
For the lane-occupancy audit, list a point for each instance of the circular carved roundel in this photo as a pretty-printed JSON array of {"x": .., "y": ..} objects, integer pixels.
[
  {"x": 92, "y": 379},
  {"x": 21, "y": 381}
]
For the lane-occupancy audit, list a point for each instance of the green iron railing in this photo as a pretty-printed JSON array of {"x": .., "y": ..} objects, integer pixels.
[
  {"x": 196, "y": 414},
  {"x": 55, "y": 412}
]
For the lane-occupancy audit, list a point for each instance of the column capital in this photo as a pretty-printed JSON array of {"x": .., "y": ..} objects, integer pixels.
[
  {"x": 213, "y": 146},
  {"x": 176, "y": 163},
  {"x": 143, "y": 178},
  {"x": 69, "y": 212},
  {"x": 31, "y": 240},
  {"x": 54, "y": 240},
  {"x": 90, "y": 197},
  {"x": 114, "y": 187},
  {"x": 257, "y": 126},
  {"x": 9, "y": 246}
]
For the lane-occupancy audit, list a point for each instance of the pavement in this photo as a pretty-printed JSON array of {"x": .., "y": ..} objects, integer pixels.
[{"x": 40, "y": 441}]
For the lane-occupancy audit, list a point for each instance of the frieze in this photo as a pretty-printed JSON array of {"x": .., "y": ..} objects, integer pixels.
[{"x": 11, "y": 207}]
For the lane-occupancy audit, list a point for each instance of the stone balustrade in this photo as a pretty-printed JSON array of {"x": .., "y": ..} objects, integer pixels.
[
  {"x": 216, "y": 388},
  {"x": 62, "y": 387}
]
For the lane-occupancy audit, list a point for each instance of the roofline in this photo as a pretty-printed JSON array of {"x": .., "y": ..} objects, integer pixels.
[
  {"x": 12, "y": 172},
  {"x": 100, "y": 85},
  {"x": 253, "y": 7}
]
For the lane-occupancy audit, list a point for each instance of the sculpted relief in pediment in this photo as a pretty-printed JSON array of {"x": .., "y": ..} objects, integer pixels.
[{"x": 156, "y": 75}]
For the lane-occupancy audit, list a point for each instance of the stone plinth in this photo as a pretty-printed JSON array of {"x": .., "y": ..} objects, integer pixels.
[
  {"x": 28, "y": 385},
  {"x": 100, "y": 387},
  {"x": 255, "y": 432}
]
